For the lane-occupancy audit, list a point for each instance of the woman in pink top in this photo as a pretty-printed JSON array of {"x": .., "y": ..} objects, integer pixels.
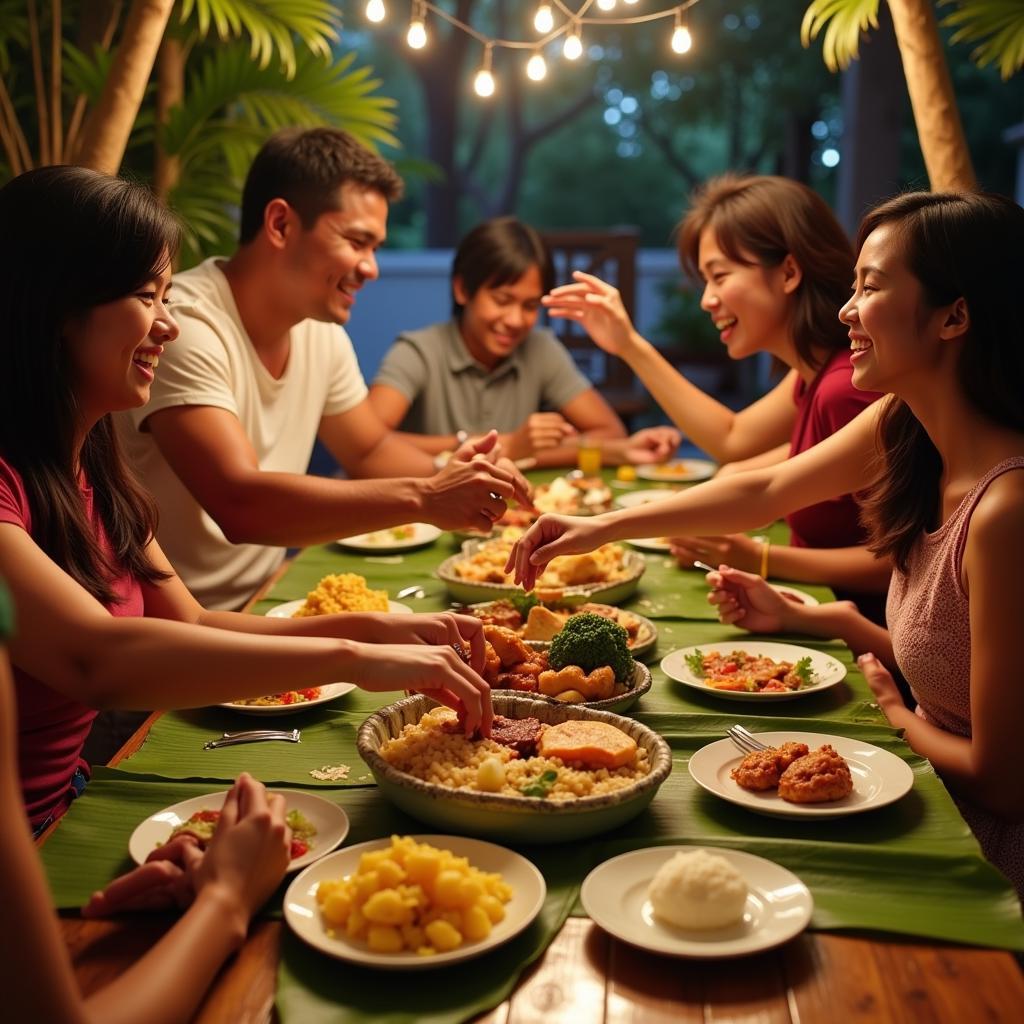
[
  {"x": 936, "y": 320},
  {"x": 104, "y": 621},
  {"x": 776, "y": 266}
]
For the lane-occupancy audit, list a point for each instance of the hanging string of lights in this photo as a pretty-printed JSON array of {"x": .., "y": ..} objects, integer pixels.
[{"x": 551, "y": 21}]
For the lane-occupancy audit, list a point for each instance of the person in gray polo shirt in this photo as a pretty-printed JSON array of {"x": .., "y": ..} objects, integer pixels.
[{"x": 491, "y": 367}]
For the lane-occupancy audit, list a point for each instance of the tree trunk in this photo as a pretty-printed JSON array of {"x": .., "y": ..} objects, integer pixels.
[
  {"x": 874, "y": 92},
  {"x": 110, "y": 123},
  {"x": 939, "y": 130},
  {"x": 170, "y": 90}
]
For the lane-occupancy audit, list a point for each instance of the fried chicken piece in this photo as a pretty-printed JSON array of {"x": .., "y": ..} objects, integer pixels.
[
  {"x": 576, "y": 569},
  {"x": 492, "y": 663},
  {"x": 818, "y": 777},
  {"x": 507, "y": 645},
  {"x": 762, "y": 769},
  {"x": 596, "y": 685}
]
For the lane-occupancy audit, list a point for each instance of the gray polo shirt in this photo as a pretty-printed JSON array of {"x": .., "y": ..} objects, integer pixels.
[{"x": 449, "y": 390}]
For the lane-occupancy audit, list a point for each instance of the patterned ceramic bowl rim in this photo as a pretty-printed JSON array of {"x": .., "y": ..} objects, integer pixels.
[{"x": 388, "y": 722}]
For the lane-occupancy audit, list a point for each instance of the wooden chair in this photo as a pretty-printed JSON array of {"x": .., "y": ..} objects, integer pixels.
[{"x": 611, "y": 256}]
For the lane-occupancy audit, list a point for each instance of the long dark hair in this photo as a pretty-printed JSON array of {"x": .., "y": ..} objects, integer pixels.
[
  {"x": 72, "y": 239},
  {"x": 968, "y": 245},
  {"x": 497, "y": 252},
  {"x": 769, "y": 218}
]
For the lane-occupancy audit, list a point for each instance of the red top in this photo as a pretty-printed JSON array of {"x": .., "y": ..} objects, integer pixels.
[
  {"x": 829, "y": 402},
  {"x": 52, "y": 727}
]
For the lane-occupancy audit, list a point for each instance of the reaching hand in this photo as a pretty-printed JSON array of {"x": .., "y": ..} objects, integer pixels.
[
  {"x": 746, "y": 600},
  {"x": 250, "y": 849},
  {"x": 438, "y": 671},
  {"x": 651, "y": 445},
  {"x": 598, "y": 307},
  {"x": 538, "y": 431},
  {"x": 736, "y": 549},
  {"x": 471, "y": 491},
  {"x": 442, "y": 629},
  {"x": 162, "y": 883},
  {"x": 548, "y": 537}
]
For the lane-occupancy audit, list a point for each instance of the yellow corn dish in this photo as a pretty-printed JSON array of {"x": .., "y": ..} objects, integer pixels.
[
  {"x": 413, "y": 897},
  {"x": 343, "y": 592}
]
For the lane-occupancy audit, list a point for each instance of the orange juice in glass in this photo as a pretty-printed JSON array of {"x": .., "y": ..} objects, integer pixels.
[{"x": 588, "y": 456}]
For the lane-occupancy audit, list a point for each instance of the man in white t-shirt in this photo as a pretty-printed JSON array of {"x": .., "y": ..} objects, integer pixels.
[{"x": 263, "y": 367}]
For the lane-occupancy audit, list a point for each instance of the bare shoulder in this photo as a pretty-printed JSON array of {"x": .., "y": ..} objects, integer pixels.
[{"x": 997, "y": 523}]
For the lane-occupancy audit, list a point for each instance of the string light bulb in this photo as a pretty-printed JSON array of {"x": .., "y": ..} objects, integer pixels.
[
  {"x": 573, "y": 46},
  {"x": 544, "y": 20},
  {"x": 632, "y": 2},
  {"x": 483, "y": 82},
  {"x": 681, "y": 38},
  {"x": 606, "y": 5},
  {"x": 416, "y": 37},
  {"x": 536, "y": 67},
  {"x": 376, "y": 11}
]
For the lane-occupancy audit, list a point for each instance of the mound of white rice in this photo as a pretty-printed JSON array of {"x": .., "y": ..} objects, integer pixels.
[{"x": 698, "y": 889}]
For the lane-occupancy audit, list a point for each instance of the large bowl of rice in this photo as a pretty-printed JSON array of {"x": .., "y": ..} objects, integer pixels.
[{"x": 582, "y": 803}]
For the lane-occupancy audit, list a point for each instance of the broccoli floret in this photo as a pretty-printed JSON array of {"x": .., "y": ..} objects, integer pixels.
[{"x": 590, "y": 641}]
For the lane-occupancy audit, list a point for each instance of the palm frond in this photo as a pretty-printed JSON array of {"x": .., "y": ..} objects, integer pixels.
[
  {"x": 271, "y": 26},
  {"x": 84, "y": 74},
  {"x": 845, "y": 21},
  {"x": 998, "y": 28},
  {"x": 206, "y": 204},
  {"x": 229, "y": 88}
]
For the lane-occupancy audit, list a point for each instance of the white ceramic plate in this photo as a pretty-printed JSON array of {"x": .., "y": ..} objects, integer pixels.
[
  {"x": 635, "y": 498},
  {"x": 330, "y": 820},
  {"x": 680, "y": 471},
  {"x": 328, "y": 692},
  {"x": 289, "y": 608},
  {"x": 879, "y": 778},
  {"x": 383, "y": 540},
  {"x": 303, "y": 915},
  {"x": 656, "y": 545},
  {"x": 787, "y": 591},
  {"x": 827, "y": 670},
  {"x": 778, "y": 906}
]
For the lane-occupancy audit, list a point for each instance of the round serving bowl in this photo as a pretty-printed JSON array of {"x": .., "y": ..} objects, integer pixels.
[
  {"x": 518, "y": 819},
  {"x": 618, "y": 704},
  {"x": 470, "y": 591}
]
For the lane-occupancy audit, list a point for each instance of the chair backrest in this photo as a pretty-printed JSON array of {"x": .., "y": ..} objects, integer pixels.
[{"x": 611, "y": 256}]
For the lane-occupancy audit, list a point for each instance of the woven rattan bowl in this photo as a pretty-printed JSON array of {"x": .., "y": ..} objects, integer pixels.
[{"x": 518, "y": 819}]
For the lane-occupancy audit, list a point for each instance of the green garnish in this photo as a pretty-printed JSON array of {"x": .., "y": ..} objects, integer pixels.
[
  {"x": 803, "y": 669},
  {"x": 696, "y": 663},
  {"x": 541, "y": 786},
  {"x": 523, "y": 602}
]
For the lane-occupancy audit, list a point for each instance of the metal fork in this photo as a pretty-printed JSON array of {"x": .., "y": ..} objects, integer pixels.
[
  {"x": 229, "y": 739},
  {"x": 746, "y": 741}
]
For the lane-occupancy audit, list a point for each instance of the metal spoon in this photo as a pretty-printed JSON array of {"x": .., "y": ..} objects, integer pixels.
[{"x": 414, "y": 592}]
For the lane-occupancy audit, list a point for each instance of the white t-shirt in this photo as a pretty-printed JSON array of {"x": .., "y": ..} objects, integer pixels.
[{"x": 213, "y": 363}]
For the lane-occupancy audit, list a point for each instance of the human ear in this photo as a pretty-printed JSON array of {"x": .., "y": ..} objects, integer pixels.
[
  {"x": 459, "y": 291},
  {"x": 957, "y": 321},
  {"x": 792, "y": 275},
  {"x": 277, "y": 222}
]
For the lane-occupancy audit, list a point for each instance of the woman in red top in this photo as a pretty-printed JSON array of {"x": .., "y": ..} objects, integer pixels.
[
  {"x": 776, "y": 266},
  {"x": 104, "y": 621}
]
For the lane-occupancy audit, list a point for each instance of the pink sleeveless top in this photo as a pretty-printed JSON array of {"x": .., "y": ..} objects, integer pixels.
[{"x": 929, "y": 622}]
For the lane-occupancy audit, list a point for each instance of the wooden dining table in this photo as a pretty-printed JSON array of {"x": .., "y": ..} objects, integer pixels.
[{"x": 585, "y": 975}]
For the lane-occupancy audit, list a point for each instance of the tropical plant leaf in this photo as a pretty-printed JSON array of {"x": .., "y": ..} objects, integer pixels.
[
  {"x": 270, "y": 25},
  {"x": 843, "y": 21},
  {"x": 205, "y": 202},
  {"x": 230, "y": 90},
  {"x": 84, "y": 74},
  {"x": 998, "y": 28}
]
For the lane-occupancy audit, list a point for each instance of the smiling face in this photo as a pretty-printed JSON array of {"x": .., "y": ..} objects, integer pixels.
[
  {"x": 749, "y": 305},
  {"x": 115, "y": 347},
  {"x": 497, "y": 318},
  {"x": 328, "y": 263},
  {"x": 896, "y": 338}
]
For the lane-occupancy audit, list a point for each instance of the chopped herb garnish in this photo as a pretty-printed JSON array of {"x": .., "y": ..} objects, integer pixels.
[
  {"x": 696, "y": 663},
  {"x": 803, "y": 669},
  {"x": 541, "y": 786},
  {"x": 524, "y": 602}
]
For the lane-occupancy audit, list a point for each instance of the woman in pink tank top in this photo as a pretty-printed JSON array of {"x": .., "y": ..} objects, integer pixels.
[{"x": 936, "y": 321}]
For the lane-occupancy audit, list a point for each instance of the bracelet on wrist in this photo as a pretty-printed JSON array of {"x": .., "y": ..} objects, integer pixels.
[{"x": 765, "y": 544}]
